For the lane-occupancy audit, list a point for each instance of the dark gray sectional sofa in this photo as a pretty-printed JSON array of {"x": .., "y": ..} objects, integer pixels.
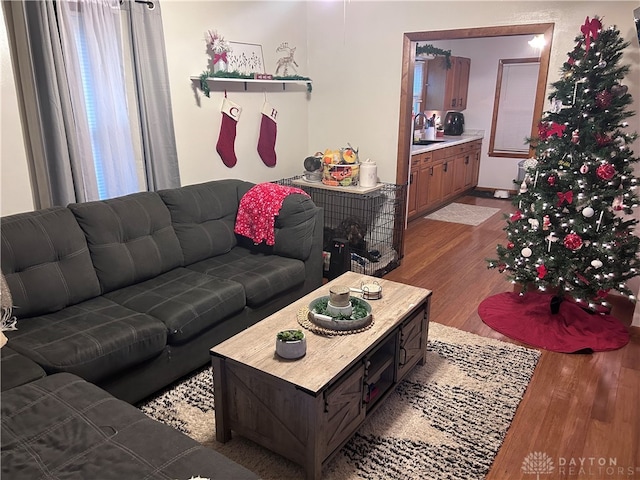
[{"x": 130, "y": 293}]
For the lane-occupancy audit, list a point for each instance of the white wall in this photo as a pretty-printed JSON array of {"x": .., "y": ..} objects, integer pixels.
[
  {"x": 197, "y": 118},
  {"x": 357, "y": 65},
  {"x": 353, "y": 52}
]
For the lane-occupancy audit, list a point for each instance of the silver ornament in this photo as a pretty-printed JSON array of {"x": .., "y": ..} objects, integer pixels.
[
  {"x": 526, "y": 252},
  {"x": 588, "y": 212}
]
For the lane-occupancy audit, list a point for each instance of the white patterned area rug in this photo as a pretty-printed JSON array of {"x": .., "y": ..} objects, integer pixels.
[
  {"x": 463, "y": 213},
  {"x": 447, "y": 420}
]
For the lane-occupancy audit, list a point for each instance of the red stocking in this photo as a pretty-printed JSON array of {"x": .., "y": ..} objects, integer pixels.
[
  {"x": 268, "y": 131},
  {"x": 230, "y": 115}
]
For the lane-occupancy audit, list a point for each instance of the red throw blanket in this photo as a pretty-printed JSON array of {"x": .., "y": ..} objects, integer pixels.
[{"x": 258, "y": 209}]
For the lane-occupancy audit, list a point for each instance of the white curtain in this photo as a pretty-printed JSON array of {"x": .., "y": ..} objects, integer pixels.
[{"x": 91, "y": 41}]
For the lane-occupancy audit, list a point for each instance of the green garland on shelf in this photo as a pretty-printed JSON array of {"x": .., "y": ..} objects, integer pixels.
[
  {"x": 204, "y": 86},
  {"x": 429, "y": 49}
]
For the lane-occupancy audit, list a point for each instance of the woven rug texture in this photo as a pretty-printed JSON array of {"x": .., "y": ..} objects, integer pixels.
[
  {"x": 446, "y": 420},
  {"x": 463, "y": 213}
]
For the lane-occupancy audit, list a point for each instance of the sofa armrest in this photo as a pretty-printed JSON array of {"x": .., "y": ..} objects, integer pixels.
[{"x": 294, "y": 227}]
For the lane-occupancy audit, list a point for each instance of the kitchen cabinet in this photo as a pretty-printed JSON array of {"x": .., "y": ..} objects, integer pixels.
[
  {"x": 447, "y": 88},
  {"x": 477, "y": 147},
  {"x": 412, "y": 197},
  {"x": 419, "y": 181},
  {"x": 438, "y": 176},
  {"x": 434, "y": 185},
  {"x": 424, "y": 181}
]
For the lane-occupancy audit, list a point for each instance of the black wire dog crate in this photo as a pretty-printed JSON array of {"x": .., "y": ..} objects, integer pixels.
[{"x": 370, "y": 221}]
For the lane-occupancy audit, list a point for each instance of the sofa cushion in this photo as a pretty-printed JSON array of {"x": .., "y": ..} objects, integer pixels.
[
  {"x": 16, "y": 369},
  {"x": 130, "y": 238},
  {"x": 262, "y": 276},
  {"x": 61, "y": 427},
  {"x": 46, "y": 261},
  {"x": 204, "y": 215},
  {"x": 187, "y": 302},
  {"x": 93, "y": 339}
]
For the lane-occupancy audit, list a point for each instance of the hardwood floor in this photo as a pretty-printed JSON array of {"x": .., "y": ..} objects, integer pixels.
[{"x": 581, "y": 410}]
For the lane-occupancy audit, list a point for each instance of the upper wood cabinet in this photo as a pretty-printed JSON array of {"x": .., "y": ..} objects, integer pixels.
[{"x": 447, "y": 88}]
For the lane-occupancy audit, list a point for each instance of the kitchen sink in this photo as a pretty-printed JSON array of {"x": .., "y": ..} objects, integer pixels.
[{"x": 428, "y": 142}]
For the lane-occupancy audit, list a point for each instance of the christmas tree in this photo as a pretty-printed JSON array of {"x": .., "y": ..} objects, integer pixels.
[{"x": 571, "y": 229}]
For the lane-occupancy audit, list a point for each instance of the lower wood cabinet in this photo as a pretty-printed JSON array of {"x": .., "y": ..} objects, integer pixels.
[{"x": 439, "y": 176}]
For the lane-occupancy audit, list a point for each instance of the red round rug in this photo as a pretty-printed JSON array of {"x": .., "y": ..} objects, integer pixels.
[{"x": 528, "y": 319}]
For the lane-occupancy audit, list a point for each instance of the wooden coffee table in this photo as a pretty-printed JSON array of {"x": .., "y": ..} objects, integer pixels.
[{"x": 307, "y": 409}]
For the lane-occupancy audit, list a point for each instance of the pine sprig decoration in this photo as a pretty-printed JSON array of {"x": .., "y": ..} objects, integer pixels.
[
  {"x": 429, "y": 49},
  {"x": 569, "y": 231}
]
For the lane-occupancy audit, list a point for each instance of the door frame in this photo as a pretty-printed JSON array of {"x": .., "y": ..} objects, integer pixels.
[{"x": 408, "y": 61}]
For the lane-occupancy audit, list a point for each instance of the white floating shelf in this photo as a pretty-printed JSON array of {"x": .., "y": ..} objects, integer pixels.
[{"x": 251, "y": 80}]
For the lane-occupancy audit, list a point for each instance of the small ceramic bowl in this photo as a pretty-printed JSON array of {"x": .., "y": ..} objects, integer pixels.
[
  {"x": 371, "y": 291},
  {"x": 291, "y": 349}
]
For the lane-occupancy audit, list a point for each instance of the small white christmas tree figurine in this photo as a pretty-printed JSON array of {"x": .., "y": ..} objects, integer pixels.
[{"x": 569, "y": 230}]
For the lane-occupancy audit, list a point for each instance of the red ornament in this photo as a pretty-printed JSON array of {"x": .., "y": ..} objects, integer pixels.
[
  {"x": 603, "y": 99},
  {"x": 542, "y": 271},
  {"x": 606, "y": 171},
  {"x": 575, "y": 137},
  {"x": 572, "y": 241},
  {"x": 602, "y": 140},
  {"x": 551, "y": 180},
  {"x": 502, "y": 267},
  {"x": 510, "y": 245},
  {"x": 515, "y": 216}
]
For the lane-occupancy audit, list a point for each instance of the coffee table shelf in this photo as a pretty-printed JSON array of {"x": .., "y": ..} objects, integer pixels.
[{"x": 307, "y": 409}]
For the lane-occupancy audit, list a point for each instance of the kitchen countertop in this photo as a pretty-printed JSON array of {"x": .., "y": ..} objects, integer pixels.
[{"x": 449, "y": 141}]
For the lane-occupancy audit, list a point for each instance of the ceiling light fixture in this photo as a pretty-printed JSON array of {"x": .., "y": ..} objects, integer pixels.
[{"x": 537, "y": 42}]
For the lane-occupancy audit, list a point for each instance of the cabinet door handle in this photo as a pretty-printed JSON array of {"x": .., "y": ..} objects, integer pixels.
[
  {"x": 460, "y": 100},
  {"x": 431, "y": 172},
  {"x": 403, "y": 354},
  {"x": 453, "y": 102},
  {"x": 445, "y": 167},
  {"x": 466, "y": 160},
  {"x": 411, "y": 179}
]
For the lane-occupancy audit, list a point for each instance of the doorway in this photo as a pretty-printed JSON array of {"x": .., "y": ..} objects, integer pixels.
[{"x": 408, "y": 63}]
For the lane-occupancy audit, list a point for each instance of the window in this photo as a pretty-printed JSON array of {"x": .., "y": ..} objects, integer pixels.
[
  {"x": 419, "y": 79},
  {"x": 513, "y": 107},
  {"x": 104, "y": 101}
]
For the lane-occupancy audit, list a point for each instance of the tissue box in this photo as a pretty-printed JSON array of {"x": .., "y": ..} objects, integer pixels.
[{"x": 340, "y": 174}]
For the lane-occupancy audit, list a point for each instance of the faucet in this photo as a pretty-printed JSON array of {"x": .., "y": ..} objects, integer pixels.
[{"x": 415, "y": 121}]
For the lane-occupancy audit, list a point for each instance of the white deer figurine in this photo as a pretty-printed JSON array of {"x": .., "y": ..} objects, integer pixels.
[{"x": 286, "y": 61}]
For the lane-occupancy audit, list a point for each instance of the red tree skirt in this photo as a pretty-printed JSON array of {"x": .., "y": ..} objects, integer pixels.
[{"x": 528, "y": 318}]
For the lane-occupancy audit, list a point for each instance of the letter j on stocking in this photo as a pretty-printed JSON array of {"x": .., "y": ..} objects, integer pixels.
[{"x": 225, "y": 147}]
